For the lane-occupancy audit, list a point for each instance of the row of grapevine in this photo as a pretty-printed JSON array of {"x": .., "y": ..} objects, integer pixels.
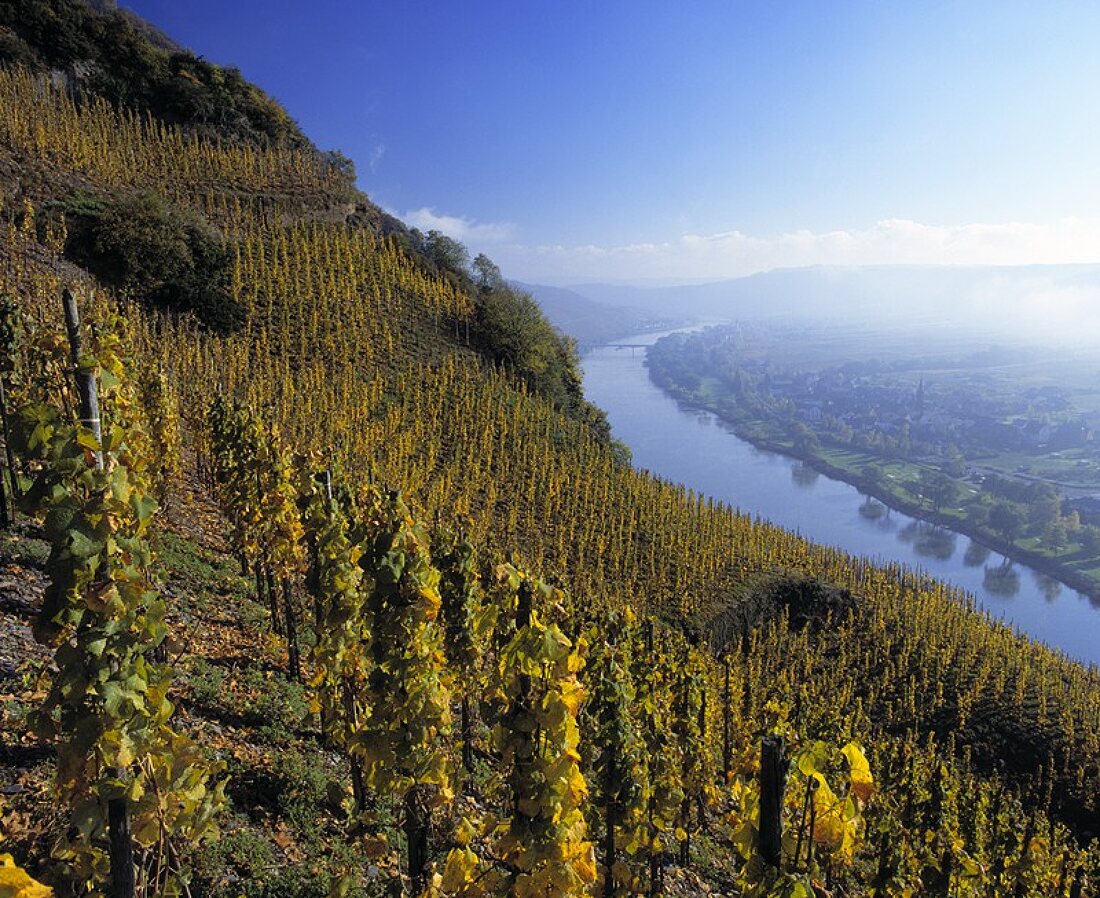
[
  {"x": 120, "y": 147},
  {"x": 784, "y": 658},
  {"x": 350, "y": 349},
  {"x": 796, "y": 666},
  {"x": 139, "y": 792},
  {"x": 409, "y": 631},
  {"x": 662, "y": 737}
]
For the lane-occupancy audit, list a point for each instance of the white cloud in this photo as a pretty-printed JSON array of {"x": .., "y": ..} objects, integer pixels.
[
  {"x": 735, "y": 253},
  {"x": 465, "y": 230},
  {"x": 376, "y": 154}
]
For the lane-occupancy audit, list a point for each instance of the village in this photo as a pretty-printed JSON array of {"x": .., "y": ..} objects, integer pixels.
[{"x": 975, "y": 434}]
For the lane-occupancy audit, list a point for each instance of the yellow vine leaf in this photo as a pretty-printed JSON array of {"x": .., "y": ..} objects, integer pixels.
[
  {"x": 863, "y": 784},
  {"x": 16, "y": 883}
]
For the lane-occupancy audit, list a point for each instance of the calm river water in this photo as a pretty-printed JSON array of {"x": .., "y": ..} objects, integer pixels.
[{"x": 698, "y": 450}]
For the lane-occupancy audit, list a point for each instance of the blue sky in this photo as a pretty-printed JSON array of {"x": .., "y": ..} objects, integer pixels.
[{"x": 653, "y": 140}]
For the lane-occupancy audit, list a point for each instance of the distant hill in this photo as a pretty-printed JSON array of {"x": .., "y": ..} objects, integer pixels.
[
  {"x": 591, "y": 322},
  {"x": 1036, "y": 300}
]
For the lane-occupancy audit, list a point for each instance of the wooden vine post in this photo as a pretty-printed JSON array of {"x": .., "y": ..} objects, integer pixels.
[
  {"x": 700, "y": 798},
  {"x": 120, "y": 840},
  {"x": 323, "y": 479},
  {"x": 524, "y": 601},
  {"x": 727, "y": 751},
  {"x": 5, "y": 518},
  {"x": 1077, "y": 889},
  {"x": 85, "y": 377},
  {"x": 294, "y": 656},
  {"x": 773, "y": 781},
  {"x": 8, "y": 338}
]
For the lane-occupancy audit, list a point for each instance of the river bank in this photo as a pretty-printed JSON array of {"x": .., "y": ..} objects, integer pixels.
[
  {"x": 1064, "y": 574},
  {"x": 692, "y": 446}
]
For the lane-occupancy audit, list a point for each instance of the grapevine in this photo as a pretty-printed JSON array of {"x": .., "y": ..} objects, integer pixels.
[{"x": 107, "y": 711}]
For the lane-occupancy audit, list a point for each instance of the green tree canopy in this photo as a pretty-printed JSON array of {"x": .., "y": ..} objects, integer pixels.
[
  {"x": 1006, "y": 519},
  {"x": 162, "y": 255}
]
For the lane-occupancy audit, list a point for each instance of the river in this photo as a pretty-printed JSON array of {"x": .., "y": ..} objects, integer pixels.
[{"x": 697, "y": 449}]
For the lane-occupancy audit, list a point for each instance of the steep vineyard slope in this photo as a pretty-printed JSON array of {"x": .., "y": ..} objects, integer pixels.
[{"x": 357, "y": 355}]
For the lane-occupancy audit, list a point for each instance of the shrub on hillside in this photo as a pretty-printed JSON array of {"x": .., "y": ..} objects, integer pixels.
[
  {"x": 512, "y": 330},
  {"x": 161, "y": 255}
]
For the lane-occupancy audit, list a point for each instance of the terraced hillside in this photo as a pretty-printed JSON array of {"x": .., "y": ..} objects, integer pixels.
[{"x": 354, "y": 351}]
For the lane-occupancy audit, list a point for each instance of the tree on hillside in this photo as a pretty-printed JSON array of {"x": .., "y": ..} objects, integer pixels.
[
  {"x": 516, "y": 333},
  {"x": 1056, "y": 534},
  {"x": 487, "y": 275},
  {"x": 115, "y": 55},
  {"x": 873, "y": 474},
  {"x": 446, "y": 252},
  {"x": 805, "y": 440},
  {"x": 1045, "y": 511}
]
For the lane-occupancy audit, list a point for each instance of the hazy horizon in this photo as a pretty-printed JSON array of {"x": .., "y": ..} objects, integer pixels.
[{"x": 644, "y": 142}]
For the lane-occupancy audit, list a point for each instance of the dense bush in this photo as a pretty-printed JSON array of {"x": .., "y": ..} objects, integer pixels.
[
  {"x": 806, "y": 601},
  {"x": 161, "y": 255},
  {"x": 513, "y": 330}
]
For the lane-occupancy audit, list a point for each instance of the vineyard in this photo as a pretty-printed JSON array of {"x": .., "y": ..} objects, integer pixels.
[{"x": 505, "y": 661}]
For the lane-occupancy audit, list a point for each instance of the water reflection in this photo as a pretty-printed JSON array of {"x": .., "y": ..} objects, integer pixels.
[
  {"x": 1048, "y": 586},
  {"x": 872, "y": 510},
  {"x": 671, "y": 440},
  {"x": 976, "y": 554},
  {"x": 802, "y": 475},
  {"x": 877, "y": 513},
  {"x": 1002, "y": 580},
  {"x": 928, "y": 540}
]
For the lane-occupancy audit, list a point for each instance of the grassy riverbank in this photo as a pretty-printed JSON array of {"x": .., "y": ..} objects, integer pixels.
[{"x": 899, "y": 485}]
